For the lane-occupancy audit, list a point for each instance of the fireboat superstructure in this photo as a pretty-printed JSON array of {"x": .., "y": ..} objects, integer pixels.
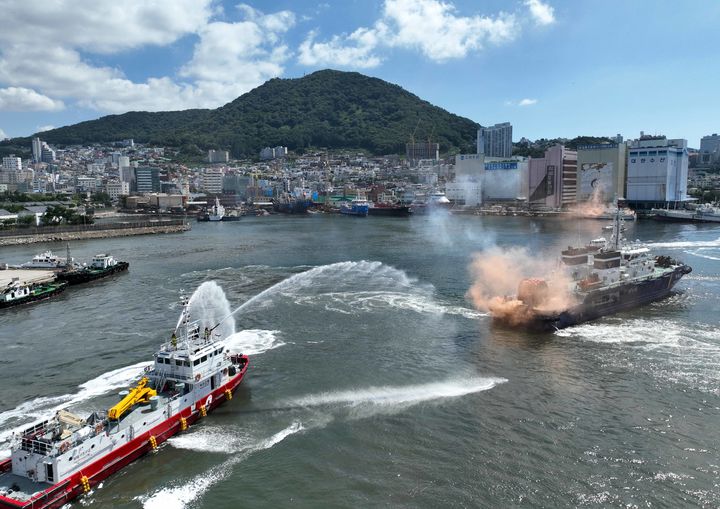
[{"x": 54, "y": 461}]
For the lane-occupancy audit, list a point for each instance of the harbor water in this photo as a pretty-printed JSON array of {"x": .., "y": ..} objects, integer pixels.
[{"x": 373, "y": 382}]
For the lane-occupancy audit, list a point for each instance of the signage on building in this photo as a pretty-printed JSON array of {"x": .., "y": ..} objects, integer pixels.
[
  {"x": 501, "y": 166},
  {"x": 597, "y": 146},
  {"x": 468, "y": 157}
]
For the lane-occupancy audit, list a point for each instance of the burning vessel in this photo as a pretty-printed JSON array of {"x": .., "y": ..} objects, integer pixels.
[
  {"x": 55, "y": 461},
  {"x": 601, "y": 278}
]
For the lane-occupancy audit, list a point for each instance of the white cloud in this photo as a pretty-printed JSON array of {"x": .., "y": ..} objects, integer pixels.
[
  {"x": 26, "y": 99},
  {"x": 527, "y": 102},
  {"x": 43, "y": 128},
  {"x": 228, "y": 59},
  {"x": 432, "y": 27},
  {"x": 542, "y": 13},
  {"x": 102, "y": 26},
  {"x": 337, "y": 52},
  {"x": 3, "y": 136}
]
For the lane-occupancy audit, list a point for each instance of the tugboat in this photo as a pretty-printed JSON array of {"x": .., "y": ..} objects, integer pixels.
[
  {"x": 357, "y": 207},
  {"x": 55, "y": 461},
  {"x": 102, "y": 265},
  {"x": 17, "y": 293},
  {"x": 605, "y": 277}
]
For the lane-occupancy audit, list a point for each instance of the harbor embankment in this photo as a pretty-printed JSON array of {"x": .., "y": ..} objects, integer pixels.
[{"x": 93, "y": 231}]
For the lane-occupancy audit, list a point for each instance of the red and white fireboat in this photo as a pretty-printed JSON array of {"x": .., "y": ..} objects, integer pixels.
[{"x": 54, "y": 461}]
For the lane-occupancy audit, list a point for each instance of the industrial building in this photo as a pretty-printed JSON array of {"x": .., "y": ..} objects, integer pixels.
[
  {"x": 657, "y": 172},
  {"x": 552, "y": 180},
  {"x": 601, "y": 172}
]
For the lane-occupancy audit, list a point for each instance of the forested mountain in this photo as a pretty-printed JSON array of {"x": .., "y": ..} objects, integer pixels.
[{"x": 328, "y": 108}]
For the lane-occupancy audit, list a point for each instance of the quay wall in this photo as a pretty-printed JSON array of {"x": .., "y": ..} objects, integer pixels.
[{"x": 94, "y": 231}]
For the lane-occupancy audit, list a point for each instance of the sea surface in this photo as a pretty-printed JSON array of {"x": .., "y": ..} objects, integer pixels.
[{"x": 374, "y": 382}]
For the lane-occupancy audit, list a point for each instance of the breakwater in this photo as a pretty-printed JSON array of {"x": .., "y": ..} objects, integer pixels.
[{"x": 91, "y": 231}]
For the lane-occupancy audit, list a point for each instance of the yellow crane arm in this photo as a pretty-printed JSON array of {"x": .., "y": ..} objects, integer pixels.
[{"x": 141, "y": 393}]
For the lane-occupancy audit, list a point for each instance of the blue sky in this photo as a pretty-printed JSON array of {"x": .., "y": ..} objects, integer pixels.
[{"x": 551, "y": 67}]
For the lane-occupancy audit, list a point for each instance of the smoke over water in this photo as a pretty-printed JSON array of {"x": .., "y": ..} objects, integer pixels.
[
  {"x": 497, "y": 274},
  {"x": 595, "y": 206}
]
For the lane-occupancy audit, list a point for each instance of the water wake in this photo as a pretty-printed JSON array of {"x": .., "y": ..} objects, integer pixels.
[
  {"x": 370, "y": 400},
  {"x": 254, "y": 341},
  {"x": 701, "y": 254},
  {"x": 685, "y": 244},
  {"x": 671, "y": 351},
  {"x": 181, "y": 495}
]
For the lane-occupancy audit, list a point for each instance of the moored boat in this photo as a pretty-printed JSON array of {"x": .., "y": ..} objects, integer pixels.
[
  {"x": 56, "y": 460},
  {"x": 388, "y": 209},
  {"x": 17, "y": 293},
  {"x": 102, "y": 265},
  {"x": 357, "y": 207}
]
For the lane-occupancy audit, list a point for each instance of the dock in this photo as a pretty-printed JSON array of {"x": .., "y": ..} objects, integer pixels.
[{"x": 26, "y": 276}]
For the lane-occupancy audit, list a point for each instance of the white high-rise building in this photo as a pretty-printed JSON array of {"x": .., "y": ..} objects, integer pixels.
[
  {"x": 36, "y": 150},
  {"x": 11, "y": 163},
  {"x": 657, "y": 172},
  {"x": 495, "y": 141}
]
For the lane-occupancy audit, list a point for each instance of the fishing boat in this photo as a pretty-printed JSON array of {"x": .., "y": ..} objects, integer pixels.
[
  {"x": 56, "y": 460},
  {"x": 17, "y": 293},
  {"x": 102, "y": 265},
  {"x": 214, "y": 213},
  {"x": 357, "y": 207}
]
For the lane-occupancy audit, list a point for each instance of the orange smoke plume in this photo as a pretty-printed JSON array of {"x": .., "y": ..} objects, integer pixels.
[{"x": 497, "y": 274}]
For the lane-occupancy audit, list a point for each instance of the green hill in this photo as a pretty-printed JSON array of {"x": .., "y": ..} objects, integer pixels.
[{"x": 328, "y": 108}]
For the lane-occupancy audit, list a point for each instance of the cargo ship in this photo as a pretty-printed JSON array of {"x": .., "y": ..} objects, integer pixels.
[
  {"x": 54, "y": 461},
  {"x": 102, "y": 265},
  {"x": 17, "y": 293},
  {"x": 603, "y": 278},
  {"x": 388, "y": 209}
]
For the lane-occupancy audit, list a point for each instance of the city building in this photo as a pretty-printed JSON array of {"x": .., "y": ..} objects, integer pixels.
[
  {"x": 269, "y": 153},
  {"x": 415, "y": 152},
  {"x": 36, "y": 150},
  {"x": 505, "y": 179},
  {"x": 465, "y": 192},
  {"x": 657, "y": 172},
  {"x": 212, "y": 180},
  {"x": 116, "y": 189},
  {"x": 147, "y": 179},
  {"x": 601, "y": 172},
  {"x": 552, "y": 180},
  {"x": 11, "y": 163},
  {"x": 218, "y": 156},
  {"x": 495, "y": 141},
  {"x": 709, "y": 153},
  {"x": 237, "y": 185}
]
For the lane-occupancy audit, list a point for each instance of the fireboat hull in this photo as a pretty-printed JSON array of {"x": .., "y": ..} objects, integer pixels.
[
  {"x": 72, "y": 487},
  {"x": 606, "y": 301}
]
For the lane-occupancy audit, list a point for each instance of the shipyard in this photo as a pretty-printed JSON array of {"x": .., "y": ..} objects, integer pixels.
[{"x": 413, "y": 254}]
